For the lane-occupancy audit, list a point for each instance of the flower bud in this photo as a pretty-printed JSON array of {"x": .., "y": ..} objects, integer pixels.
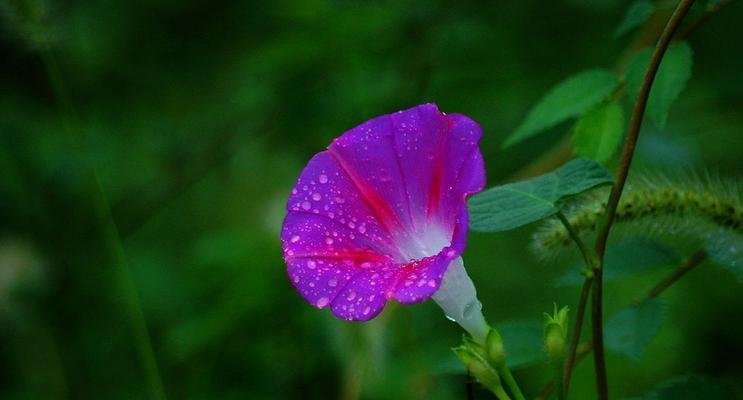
[
  {"x": 555, "y": 332},
  {"x": 478, "y": 367},
  {"x": 494, "y": 346}
]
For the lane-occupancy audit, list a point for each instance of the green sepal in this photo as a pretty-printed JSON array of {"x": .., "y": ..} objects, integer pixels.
[{"x": 556, "y": 332}]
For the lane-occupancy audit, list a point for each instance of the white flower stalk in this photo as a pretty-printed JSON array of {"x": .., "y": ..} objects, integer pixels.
[{"x": 457, "y": 296}]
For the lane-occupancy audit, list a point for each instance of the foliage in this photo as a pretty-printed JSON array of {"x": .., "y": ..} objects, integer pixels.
[
  {"x": 147, "y": 150},
  {"x": 568, "y": 99},
  {"x": 674, "y": 73},
  {"x": 515, "y": 204}
]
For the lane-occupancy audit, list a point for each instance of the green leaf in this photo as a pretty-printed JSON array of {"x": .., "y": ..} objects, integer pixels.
[
  {"x": 673, "y": 74},
  {"x": 516, "y": 204},
  {"x": 570, "y": 98},
  {"x": 689, "y": 387},
  {"x": 630, "y": 331},
  {"x": 523, "y": 342},
  {"x": 639, "y": 12},
  {"x": 725, "y": 248},
  {"x": 598, "y": 132},
  {"x": 630, "y": 256}
]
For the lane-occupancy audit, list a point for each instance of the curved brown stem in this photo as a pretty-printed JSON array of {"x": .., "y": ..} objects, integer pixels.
[
  {"x": 624, "y": 165},
  {"x": 695, "y": 259},
  {"x": 702, "y": 19},
  {"x": 572, "y": 356}
]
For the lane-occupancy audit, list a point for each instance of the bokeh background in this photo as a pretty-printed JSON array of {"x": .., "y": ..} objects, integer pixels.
[{"x": 188, "y": 122}]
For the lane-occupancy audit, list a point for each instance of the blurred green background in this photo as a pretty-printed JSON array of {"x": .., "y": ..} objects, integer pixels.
[{"x": 195, "y": 118}]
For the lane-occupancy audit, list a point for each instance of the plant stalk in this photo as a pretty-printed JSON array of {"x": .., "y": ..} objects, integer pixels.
[
  {"x": 625, "y": 162},
  {"x": 506, "y": 376},
  {"x": 590, "y": 259}
]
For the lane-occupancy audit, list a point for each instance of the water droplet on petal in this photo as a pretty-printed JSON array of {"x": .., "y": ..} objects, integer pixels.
[
  {"x": 323, "y": 178},
  {"x": 311, "y": 264},
  {"x": 333, "y": 282},
  {"x": 470, "y": 308},
  {"x": 295, "y": 239},
  {"x": 306, "y": 205},
  {"x": 362, "y": 229},
  {"x": 322, "y": 302},
  {"x": 351, "y": 295},
  {"x": 329, "y": 241},
  {"x": 316, "y": 196},
  {"x": 367, "y": 310}
]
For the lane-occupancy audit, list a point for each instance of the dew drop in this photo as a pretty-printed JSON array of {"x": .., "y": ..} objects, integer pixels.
[
  {"x": 295, "y": 239},
  {"x": 322, "y": 302},
  {"x": 351, "y": 295},
  {"x": 432, "y": 283},
  {"x": 311, "y": 264},
  {"x": 306, "y": 205},
  {"x": 323, "y": 178},
  {"x": 470, "y": 308},
  {"x": 329, "y": 240},
  {"x": 367, "y": 310},
  {"x": 333, "y": 282},
  {"x": 362, "y": 229},
  {"x": 316, "y": 196}
]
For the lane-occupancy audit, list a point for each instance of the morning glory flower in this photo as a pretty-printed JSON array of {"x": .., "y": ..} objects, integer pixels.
[{"x": 381, "y": 215}]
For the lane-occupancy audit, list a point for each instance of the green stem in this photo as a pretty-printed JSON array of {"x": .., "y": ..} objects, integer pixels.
[
  {"x": 107, "y": 225},
  {"x": 563, "y": 383},
  {"x": 501, "y": 394},
  {"x": 558, "y": 376},
  {"x": 588, "y": 255},
  {"x": 124, "y": 278},
  {"x": 506, "y": 376}
]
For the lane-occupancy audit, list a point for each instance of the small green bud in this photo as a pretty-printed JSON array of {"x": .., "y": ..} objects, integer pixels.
[
  {"x": 478, "y": 367},
  {"x": 555, "y": 332},
  {"x": 495, "y": 350}
]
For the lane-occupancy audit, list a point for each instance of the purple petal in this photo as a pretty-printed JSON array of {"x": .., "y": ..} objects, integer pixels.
[
  {"x": 422, "y": 278},
  {"x": 383, "y": 211},
  {"x": 327, "y": 196},
  {"x": 365, "y": 296},
  {"x": 464, "y": 171}
]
